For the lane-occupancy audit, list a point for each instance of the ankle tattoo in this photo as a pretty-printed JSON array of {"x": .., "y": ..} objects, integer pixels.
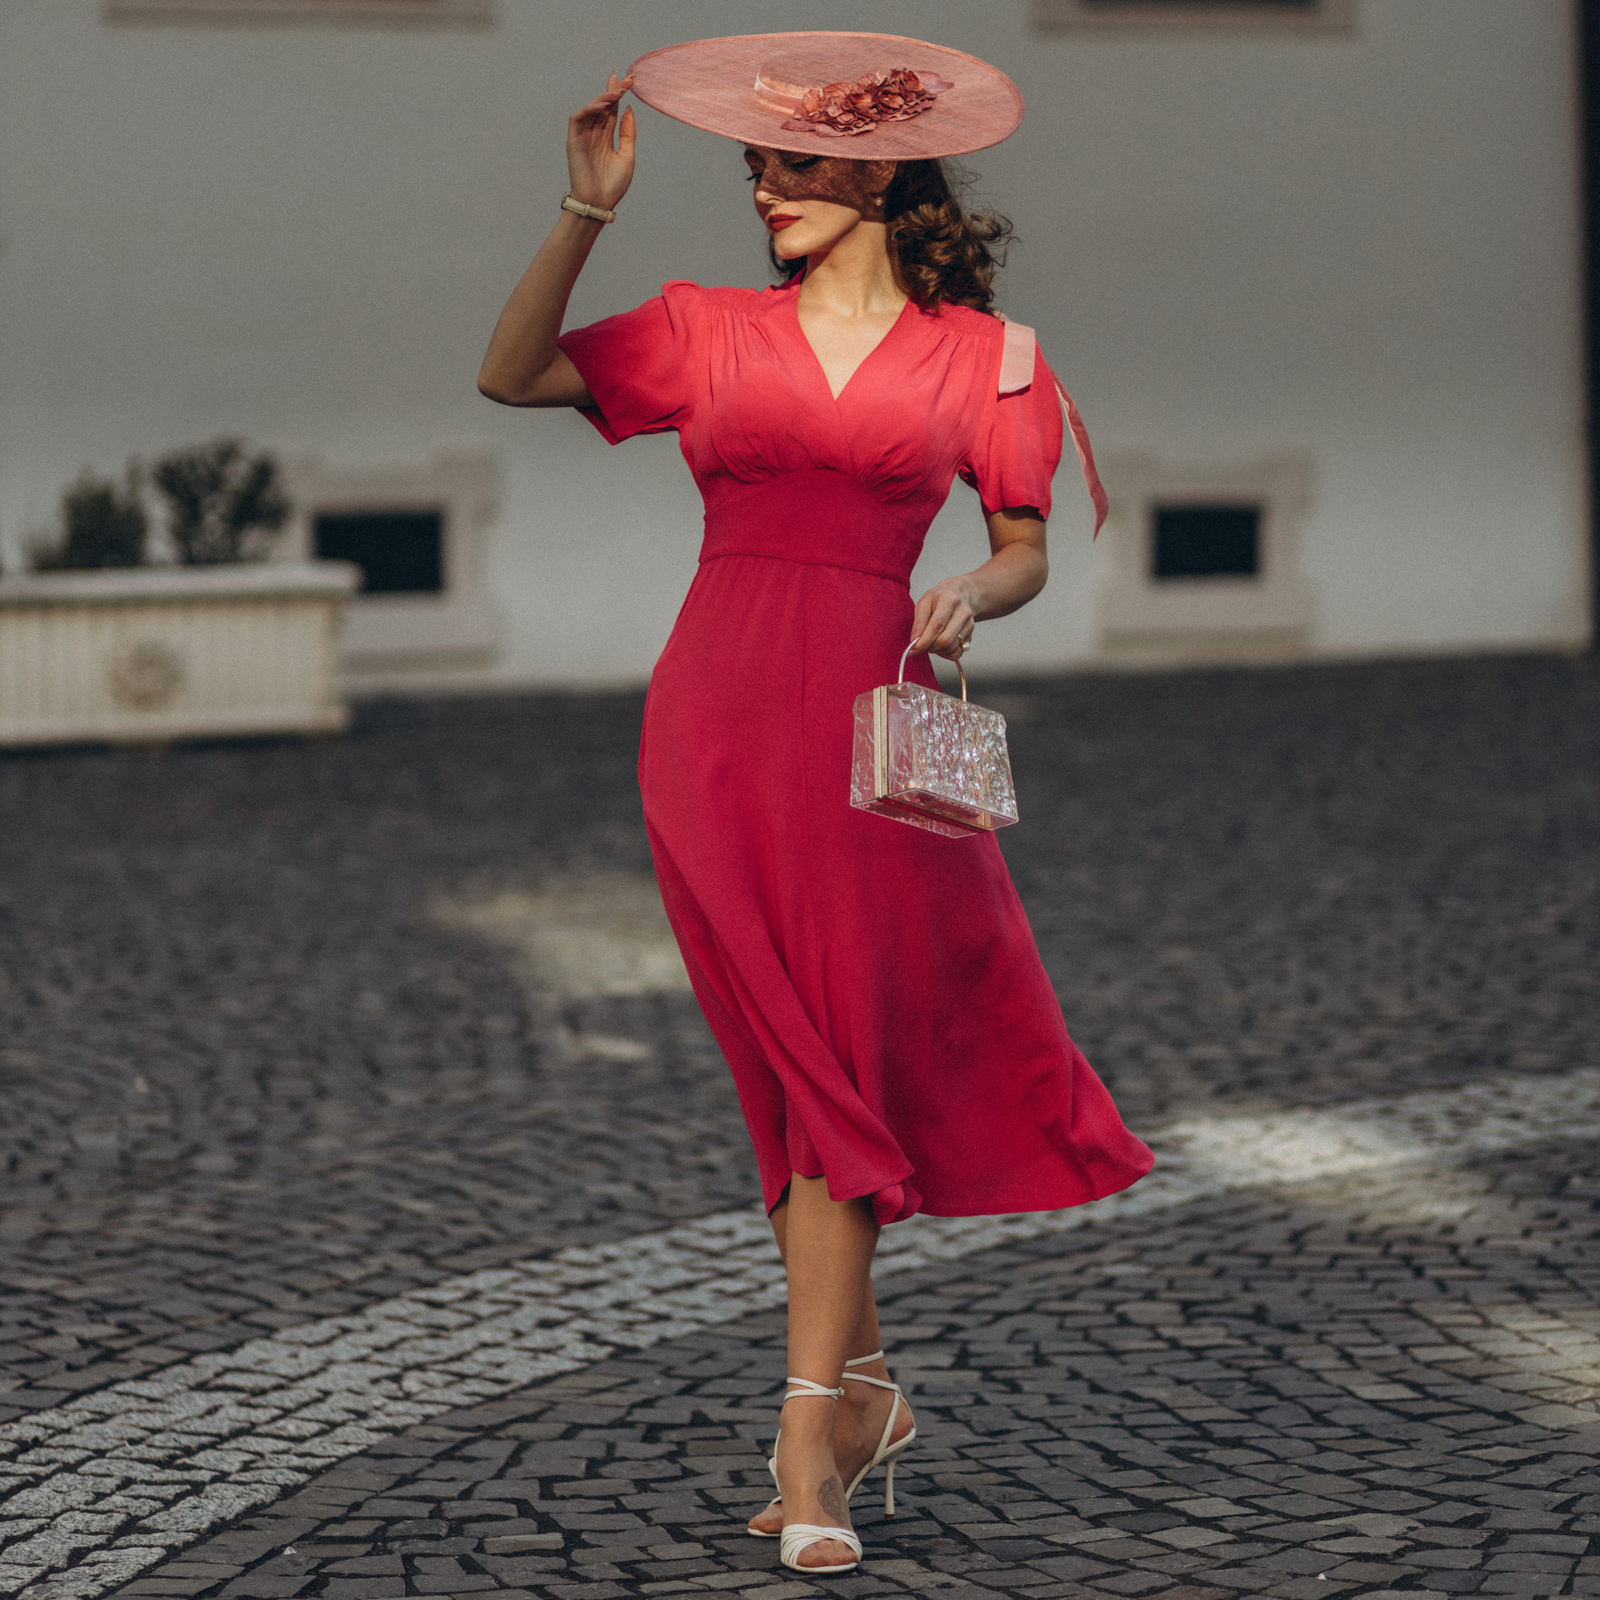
[{"x": 831, "y": 1495}]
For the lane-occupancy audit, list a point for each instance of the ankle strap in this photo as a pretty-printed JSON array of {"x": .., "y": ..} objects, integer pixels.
[
  {"x": 805, "y": 1389},
  {"x": 877, "y": 1383},
  {"x": 865, "y": 1361}
]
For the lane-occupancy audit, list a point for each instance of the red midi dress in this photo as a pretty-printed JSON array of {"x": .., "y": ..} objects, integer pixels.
[{"x": 875, "y": 987}]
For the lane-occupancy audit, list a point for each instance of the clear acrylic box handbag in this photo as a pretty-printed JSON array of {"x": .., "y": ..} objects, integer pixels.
[{"x": 926, "y": 758}]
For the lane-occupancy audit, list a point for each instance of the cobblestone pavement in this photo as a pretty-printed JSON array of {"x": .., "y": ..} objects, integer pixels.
[
  {"x": 256, "y": 1030},
  {"x": 121, "y": 1478},
  {"x": 1371, "y": 1386}
]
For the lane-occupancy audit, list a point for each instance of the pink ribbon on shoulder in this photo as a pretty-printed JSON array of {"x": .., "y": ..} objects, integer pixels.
[{"x": 1016, "y": 373}]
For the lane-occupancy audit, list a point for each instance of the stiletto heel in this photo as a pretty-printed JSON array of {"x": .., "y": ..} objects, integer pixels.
[
  {"x": 886, "y": 1456},
  {"x": 798, "y": 1537}
]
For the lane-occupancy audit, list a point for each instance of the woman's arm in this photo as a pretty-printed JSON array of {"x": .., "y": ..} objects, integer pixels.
[
  {"x": 1009, "y": 579},
  {"x": 524, "y": 366}
]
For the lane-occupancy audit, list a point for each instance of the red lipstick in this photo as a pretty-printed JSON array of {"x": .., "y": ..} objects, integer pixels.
[{"x": 777, "y": 222}]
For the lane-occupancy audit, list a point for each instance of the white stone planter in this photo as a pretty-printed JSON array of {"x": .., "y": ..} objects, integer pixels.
[{"x": 172, "y": 652}]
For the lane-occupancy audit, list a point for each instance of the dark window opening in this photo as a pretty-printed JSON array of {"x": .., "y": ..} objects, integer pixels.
[
  {"x": 400, "y": 552},
  {"x": 1201, "y": 541}
]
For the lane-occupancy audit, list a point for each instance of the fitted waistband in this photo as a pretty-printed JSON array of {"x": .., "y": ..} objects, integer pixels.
[{"x": 818, "y": 518}]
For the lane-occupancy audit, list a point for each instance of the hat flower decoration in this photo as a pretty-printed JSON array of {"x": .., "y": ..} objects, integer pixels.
[{"x": 839, "y": 110}]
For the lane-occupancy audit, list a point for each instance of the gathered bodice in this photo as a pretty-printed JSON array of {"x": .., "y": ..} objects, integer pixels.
[{"x": 786, "y": 468}]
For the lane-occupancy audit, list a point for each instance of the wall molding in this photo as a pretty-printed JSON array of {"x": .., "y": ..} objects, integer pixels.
[
  {"x": 391, "y": 635},
  {"x": 1167, "y": 16},
  {"x": 306, "y": 13},
  {"x": 1267, "y": 616}
]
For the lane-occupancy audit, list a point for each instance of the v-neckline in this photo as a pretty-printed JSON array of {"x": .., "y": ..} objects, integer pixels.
[{"x": 816, "y": 360}]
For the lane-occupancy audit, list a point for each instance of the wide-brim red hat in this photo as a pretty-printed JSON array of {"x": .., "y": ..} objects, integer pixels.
[{"x": 863, "y": 96}]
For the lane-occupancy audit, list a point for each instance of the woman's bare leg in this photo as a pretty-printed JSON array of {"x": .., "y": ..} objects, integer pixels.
[
  {"x": 858, "y": 1418},
  {"x": 828, "y": 1247}
]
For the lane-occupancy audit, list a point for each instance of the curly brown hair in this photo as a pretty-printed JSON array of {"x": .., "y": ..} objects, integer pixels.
[{"x": 941, "y": 253}]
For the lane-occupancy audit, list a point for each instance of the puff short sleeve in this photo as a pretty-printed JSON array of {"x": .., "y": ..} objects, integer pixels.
[
  {"x": 637, "y": 365},
  {"x": 1017, "y": 447}
]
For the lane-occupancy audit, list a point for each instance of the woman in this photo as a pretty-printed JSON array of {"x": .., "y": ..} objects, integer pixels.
[{"x": 894, "y": 1040}]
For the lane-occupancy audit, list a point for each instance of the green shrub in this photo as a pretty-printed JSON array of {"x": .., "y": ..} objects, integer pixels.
[
  {"x": 101, "y": 526},
  {"x": 224, "y": 504}
]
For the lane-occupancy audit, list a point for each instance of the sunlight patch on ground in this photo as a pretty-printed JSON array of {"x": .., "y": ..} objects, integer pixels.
[{"x": 594, "y": 938}]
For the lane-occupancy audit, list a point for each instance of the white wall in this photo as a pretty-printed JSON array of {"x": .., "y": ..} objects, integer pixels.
[{"x": 1361, "y": 249}]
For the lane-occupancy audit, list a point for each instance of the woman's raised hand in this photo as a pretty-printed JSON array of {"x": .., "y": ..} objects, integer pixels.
[{"x": 600, "y": 147}]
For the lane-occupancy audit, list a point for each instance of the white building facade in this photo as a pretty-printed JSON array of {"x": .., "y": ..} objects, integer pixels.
[{"x": 1312, "y": 270}]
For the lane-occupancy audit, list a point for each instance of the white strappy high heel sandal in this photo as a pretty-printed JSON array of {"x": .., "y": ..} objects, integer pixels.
[
  {"x": 887, "y": 1455},
  {"x": 800, "y": 1536}
]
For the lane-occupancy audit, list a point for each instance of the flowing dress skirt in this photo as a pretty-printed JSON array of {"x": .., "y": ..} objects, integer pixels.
[{"x": 875, "y": 987}]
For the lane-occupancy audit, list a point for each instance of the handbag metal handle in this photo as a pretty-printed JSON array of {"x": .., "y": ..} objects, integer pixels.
[{"x": 959, "y": 668}]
